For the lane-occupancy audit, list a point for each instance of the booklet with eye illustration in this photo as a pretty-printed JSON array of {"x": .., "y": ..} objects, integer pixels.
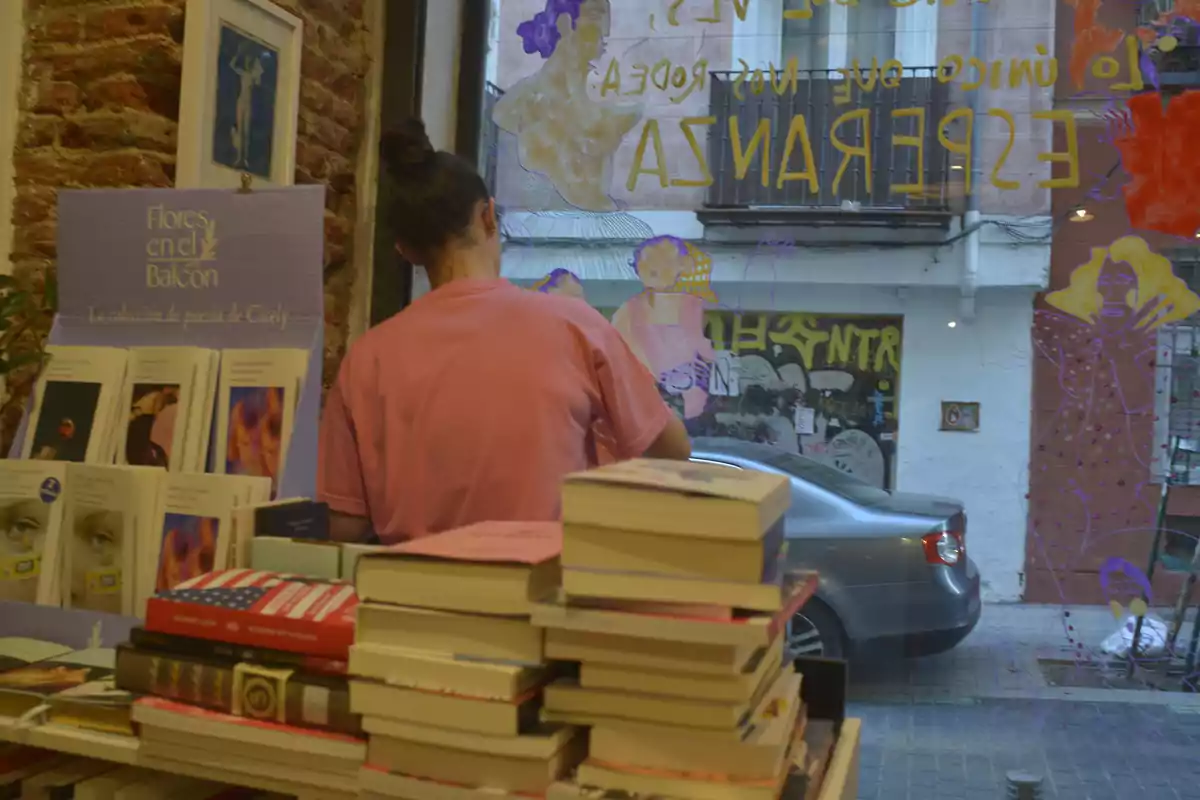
[
  {"x": 256, "y": 410},
  {"x": 163, "y": 403},
  {"x": 31, "y": 510},
  {"x": 75, "y": 404},
  {"x": 108, "y": 512}
]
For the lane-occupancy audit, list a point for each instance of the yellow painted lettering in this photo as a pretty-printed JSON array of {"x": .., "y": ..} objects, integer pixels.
[
  {"x": 848, "y": 152},
  {"x": 1020, "y": 72},
  {"x": 649, "y": 132},
  {"x": 841, "y": 91},
  {"x": 865, "y": 338},
  {"x": 787, "y": 75},
  {"x": 739, "y": 8},
  {"x": 804, "y": 12},
  {"x": 798, "y": 131},
  {"x": 612, "y": 79},
  {"x": 1070, "y": 157},
  {"x": 962, "y": 148},
  {"x": 742, "y": 158},
  {"x": 660, "y": 75},
  {"x": 1106, "y": 67},
  {"x": 997, "y": 181},
  {"x": 716, "y": 17},
  {"x": 673, "y": 13},
  {"x": 841, "y": 339},
  {"x": 747, "y": 337},
  {"x": 949, "y": 68},
  {"x": 980, "y": 68},
  {"x": 640, "y": 73},
  {"x": 1135, "y": 82},
  {"x": 888, "y": 352},
  {"x": 800, "y": 332},
  {"x": 685, "y": 125},
  {"x": 699, "y": 75},
  {"x": 916, "y": 140}
]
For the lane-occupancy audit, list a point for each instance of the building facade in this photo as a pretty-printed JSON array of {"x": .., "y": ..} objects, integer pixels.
[
  {"x": 1114, "y": 377},
  {"x": 863, "y": 192}
]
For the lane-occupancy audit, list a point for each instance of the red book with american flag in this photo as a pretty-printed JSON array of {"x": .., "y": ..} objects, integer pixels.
[{"x": 259, "y": 609}]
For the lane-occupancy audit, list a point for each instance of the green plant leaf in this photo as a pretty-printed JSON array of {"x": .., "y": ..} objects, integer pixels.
[
  {"x": 51, "y": 292},
  {"x": 14, "y": 302},
  {"x": 19, "y": 360}
]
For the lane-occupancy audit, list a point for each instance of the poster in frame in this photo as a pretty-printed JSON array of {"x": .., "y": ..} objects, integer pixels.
[{"x": 241, "y": 94}]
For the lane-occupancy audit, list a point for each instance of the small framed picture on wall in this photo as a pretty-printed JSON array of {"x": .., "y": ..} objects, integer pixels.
[{"x": 240, "y": 97}]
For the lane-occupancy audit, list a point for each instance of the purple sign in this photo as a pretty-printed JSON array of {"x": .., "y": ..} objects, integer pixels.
[
  {"x": 202, "y": 268},
  {"x": 197, "y": 260}
]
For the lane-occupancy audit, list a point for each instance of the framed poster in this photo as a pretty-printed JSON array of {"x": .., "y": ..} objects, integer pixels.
[
  {"x": 241, "y": 94},
  {"x": 960, "y": 416}
]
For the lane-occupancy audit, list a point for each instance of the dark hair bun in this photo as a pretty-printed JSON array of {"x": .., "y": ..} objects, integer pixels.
[{"x": 407, "y": 149}]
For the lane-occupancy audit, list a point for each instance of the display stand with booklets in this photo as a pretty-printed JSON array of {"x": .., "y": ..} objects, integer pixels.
[{"x": 209, "y": 268}]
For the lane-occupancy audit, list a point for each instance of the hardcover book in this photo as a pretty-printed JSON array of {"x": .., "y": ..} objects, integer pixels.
[
  {"x": 243, "y": 689},
  {"x": 186, "y": 647},
  {"x": 259, "y": 609}
]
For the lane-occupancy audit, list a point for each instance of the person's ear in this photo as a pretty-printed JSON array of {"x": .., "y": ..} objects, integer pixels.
[
  {"x": 406, "y": 256},
  {"x": 490, "y": 224}
]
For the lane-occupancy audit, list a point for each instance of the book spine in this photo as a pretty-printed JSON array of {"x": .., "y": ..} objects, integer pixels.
[
  {"x": 216, "y": 686},
  {"x": 143, "y": 639},
  {"x": 774, "y": 553},
  {"x": 247, "y": 628}
]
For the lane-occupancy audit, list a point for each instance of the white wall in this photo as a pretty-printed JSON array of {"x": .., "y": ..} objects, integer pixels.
[
  {"x": 988, "y": 360},
  {"x": 439, "y": 78},
  {"x": 12, "y": 34}
]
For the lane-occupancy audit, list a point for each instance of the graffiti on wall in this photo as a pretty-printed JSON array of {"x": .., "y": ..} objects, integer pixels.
[{"x": 824, "y": 386}]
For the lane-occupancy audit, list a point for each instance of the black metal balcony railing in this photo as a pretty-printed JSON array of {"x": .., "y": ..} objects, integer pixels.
[{"x": 813, "y": 97}]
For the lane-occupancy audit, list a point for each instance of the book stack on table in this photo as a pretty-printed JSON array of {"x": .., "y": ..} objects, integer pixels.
[
  {"x": 448, "y": 669},
  {"x": 244, "y": 677},
  {"x": 674, "y": 604}
]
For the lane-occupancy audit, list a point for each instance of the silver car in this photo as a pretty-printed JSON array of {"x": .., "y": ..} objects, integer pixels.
[{"x": 894, "y": 571}]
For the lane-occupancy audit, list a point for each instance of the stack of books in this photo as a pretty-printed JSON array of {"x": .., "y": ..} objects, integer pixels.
[
  {"x": 674, "y": 604},
  {"x": 244, "y": 674},
  {"x": 448, "y": 669},
  {"x": 46, "y": 682}
]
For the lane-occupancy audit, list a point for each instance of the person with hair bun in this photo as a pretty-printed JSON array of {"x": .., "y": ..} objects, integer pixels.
[{"x": 474, "y": 402}]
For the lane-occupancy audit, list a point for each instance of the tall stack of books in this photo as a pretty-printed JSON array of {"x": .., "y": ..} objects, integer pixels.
[
  {"x": 244, "y": 674},
  {"x": 674, "y": 603},
  {"x": 448, "y": 669}
]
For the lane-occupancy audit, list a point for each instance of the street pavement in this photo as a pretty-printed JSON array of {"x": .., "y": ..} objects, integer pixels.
[{"x": 953, "y": 726}]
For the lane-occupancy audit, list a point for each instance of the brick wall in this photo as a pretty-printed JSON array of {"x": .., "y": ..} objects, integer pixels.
[{"x": 98, "y": 107}]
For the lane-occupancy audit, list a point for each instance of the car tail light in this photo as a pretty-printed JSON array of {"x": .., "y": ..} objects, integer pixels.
[{"x": 944, "y": 547}]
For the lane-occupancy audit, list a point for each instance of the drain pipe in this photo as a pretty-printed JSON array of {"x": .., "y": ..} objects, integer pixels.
[{"x": 969, "y": 282}]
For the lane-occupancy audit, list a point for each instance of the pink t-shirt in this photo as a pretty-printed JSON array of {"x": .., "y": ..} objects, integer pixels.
[{"x": 473, "y": 403}]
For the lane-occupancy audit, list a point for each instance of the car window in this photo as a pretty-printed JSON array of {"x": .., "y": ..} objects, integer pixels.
[{"x": 828, "y": 478}]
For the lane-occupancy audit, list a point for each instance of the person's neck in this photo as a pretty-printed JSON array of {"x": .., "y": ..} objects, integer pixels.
[{"x": 459, "y": 267}]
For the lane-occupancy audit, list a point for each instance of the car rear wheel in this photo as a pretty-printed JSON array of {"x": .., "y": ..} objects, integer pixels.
[{"x": 815, "y": 631}]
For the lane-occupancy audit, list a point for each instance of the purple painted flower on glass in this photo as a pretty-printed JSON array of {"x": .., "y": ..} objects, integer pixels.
[{"x": 540, "y": 35}]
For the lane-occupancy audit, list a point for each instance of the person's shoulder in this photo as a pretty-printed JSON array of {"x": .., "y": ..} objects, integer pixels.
[
  {"x": 571, "y": 310},
  {"x": 385, "y": 337}
]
